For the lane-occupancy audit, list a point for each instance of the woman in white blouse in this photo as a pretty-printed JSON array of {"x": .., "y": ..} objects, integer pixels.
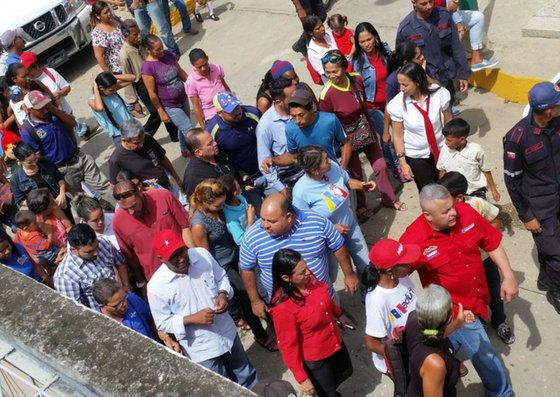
[
  {"x": 418, "y": 114},
  {"x": 320, "y": 41}
]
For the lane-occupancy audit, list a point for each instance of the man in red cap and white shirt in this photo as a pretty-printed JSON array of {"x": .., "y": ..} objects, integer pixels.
[
  {"x": 189, "y": 298},
  {"x": 450, "y": 236}
]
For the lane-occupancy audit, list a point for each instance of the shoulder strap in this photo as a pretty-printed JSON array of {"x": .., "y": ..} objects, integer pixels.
[
  {"x": 48, "y": 73},
  {"x": 357, "y": 92},
  {"x": 29, "y": 127}
]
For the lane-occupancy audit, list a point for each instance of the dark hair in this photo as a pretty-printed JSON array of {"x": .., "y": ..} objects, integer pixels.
[
  {"x": 307, "y": 107},
  {"x": 84, "y": 205},
  {"x": 38, "y": 200},
  {"x": 358, "y": 54},
  {"x": 127, "y": 25},
  {"x": 456, "y": 127},
  {"x": 5, "y": 84},
  {"x": 310, "y": 157},
  {"x": 191, "y": 139},
  {"x": 404, "y": 53},
  {"x": 131, "y": 186},
  {"x": 149, "y": 41},
  {"x": 309, "y": 24},
  {"x": 370, "y": 277},
  {"x": 13, "y": 70},
  {"x": 277, "y": 88},
  {"x": 337, "y": 20},
  {"x": 266, "y": 84},
  {"x": 23, "y": 218},
  {"x": 6, "y": 237},
  {"x": 455, "y": 182},
  {"x": 105, "y": 79},
  {"x": 286, "y": 207},
  {"x": 418, "y": 76},
  {"x": 96, "y": 9},
  {"x": 283, "y": 264},
  {"x": 81, "y": 235},
  {"x": 341, "y": 61},
  {"x": 228, "y": 182},
  {"x": 126, "y": 175},
  {"x": 23, "y": 150},
  {"x": 196, "y": 54},
  {"x": 104, "y": 289}
]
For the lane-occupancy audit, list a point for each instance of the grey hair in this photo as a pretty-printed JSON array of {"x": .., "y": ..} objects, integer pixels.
[
  {"x": 131, "y": 129},
  {"x": 127, "y": 25},
  {"x": 432, "y": 192},
  {"x": 434, "y": 309},
  {"x": 104, "y": 289}
]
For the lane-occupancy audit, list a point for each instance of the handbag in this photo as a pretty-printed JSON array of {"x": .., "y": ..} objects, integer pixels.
[{"x": 360, "y": 132}]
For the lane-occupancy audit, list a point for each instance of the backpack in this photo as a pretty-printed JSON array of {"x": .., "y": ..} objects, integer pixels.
[{"x": 395, "y": 354}]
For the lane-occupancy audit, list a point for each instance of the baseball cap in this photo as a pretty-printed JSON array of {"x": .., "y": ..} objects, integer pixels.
[
  {"x": 35, "y": 100},
  {"x": 279, "y": 68},
  {"x": 28, "y": 58},
  {"x": 274, "y": 388},
  {"x": 166, "y": 242},
  {"x": 544, "y": 95},
  {"x": 9, "y": 36},
  {"x": 224, "y": 101},
  {"x": 301, "y": 97},
  {"x": 388, "y": 253}
]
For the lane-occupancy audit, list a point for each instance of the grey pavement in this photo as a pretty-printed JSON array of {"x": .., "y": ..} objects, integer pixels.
[{"x": 251, "y": 34}]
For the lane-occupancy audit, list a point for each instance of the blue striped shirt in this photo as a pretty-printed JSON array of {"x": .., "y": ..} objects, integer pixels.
[{"x": 311, "y": 235}]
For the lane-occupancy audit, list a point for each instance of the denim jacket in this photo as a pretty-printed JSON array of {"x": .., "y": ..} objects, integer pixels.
[
  {"x": 21, "y": 184},
  {"x": 368, "y": 73}
]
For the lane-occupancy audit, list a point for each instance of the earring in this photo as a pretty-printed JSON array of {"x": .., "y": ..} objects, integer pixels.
[{"x": 392, "y": 277}]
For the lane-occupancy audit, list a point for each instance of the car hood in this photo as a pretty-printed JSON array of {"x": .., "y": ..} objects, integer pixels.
[{"x": 16, "y": 13}]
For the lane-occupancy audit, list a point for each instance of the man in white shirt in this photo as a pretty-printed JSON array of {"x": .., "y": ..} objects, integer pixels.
[{"x": 189, "y": 298}]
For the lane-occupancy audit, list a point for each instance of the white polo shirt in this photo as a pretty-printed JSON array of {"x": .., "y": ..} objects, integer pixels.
[
  {"x": 471, "y": 162},
  {"x": 403, "y": 111}
]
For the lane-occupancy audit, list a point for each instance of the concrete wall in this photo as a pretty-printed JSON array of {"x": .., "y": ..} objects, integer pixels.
[{"x": 96, "y": 353}]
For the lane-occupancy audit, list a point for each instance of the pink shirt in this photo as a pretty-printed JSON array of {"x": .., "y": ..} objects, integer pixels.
[{"x": 205, "y": 90}]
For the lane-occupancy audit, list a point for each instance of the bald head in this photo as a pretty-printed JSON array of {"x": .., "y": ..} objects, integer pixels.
[{"x": 277, "y": 215}]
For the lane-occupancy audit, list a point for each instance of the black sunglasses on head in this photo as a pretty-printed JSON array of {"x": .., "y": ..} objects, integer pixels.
[{"x": 123, "y": 195}]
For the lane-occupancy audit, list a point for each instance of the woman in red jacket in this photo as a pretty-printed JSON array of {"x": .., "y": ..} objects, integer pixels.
[{"x": 304, "y": 318}]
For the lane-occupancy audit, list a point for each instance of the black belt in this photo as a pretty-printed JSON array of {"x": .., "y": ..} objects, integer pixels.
[{"x": 73, "y": 160}]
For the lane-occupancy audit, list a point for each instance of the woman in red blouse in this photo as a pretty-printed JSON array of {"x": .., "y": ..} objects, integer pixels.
[
  {"x": 304, "y": 318},
  {"x": 344, "y": 95}
]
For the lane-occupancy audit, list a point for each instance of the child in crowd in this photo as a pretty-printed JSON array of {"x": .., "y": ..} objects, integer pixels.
[
  {"x": 456, "y": 184},
  {"x": 239, "y": 215},
  {"x": 343, "y": 37},
  {"x": 468, "y": 158},
  {"x": 211, "y": 14},
  {"x": 36, "y": 243},
  {"x": 50, "y": 217}
]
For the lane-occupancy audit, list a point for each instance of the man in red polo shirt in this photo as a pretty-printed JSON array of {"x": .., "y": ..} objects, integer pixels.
[
  {"x": 140, "y": 217},
  {"x": 450, "y": 236}
]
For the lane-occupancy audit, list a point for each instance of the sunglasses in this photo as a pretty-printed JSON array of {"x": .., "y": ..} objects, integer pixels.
[
  {"x": 123, "y": 195},
  {"x": 331, "y": 58},
  {"x": 120, "y": 304}
]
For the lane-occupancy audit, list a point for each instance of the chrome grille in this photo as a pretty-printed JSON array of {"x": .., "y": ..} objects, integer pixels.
[{"x": 46, "y": 23}]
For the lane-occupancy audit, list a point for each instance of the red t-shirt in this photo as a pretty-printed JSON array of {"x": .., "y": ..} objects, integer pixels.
[
  {"x": 343, "y": 101},
  {"x": 453, "y": 261},
  {"x": 380, "y": 99},
  {"x": 343, "y": 42},
  {"x": 135, "y": 235}
]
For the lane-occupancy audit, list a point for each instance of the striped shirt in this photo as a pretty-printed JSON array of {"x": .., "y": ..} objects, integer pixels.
[
  {"x": 311, "y": 235},
  {"x": 75, "y": 276}
]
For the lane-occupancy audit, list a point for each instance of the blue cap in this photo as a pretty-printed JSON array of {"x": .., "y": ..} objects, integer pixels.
[
  {"x": 544, "y": 96},
  {"x": 224, "y": 101}
]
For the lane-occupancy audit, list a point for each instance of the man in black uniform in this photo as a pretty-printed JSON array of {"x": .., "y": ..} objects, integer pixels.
[{"x": 532, "y": 177}]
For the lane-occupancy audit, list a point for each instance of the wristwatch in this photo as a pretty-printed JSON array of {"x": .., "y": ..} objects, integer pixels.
[
  {"x": 140, "y": 285},
  {"x": 223, "y": 292}
]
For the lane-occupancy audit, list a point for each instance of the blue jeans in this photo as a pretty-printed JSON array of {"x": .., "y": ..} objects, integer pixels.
[
  {"x": 234, "y": 365},
  {"x": 182, "y": 8},
  {"x": 483, "y": 356},
  {"x": 153, "y": 12},
  {"x": 474, "y": 20},
  {"x": 378, "y": 119},
  {"x": 181, "y": 117}
]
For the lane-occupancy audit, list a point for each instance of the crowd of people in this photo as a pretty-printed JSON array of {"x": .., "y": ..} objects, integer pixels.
[{"x": 270, "y": 204}]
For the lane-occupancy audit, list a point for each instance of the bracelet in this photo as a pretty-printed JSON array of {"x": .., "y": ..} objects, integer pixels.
[{"x": 400, "y": 154}]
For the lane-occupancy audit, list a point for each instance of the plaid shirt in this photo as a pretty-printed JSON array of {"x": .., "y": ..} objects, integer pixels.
[{"x": 75, "y": 276}]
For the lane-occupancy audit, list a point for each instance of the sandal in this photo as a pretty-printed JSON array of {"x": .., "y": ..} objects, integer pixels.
[
  {"x": 400, "y": 206},
  {"x": 241, "y": 323},
  {"x": 268, "y": 343}
]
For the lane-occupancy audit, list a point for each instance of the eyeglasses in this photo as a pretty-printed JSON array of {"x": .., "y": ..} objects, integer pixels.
[
  {"x": 331, "y": 58},
  {"x": 123, "y": 195},
  {"x": 120, "y": 304}
]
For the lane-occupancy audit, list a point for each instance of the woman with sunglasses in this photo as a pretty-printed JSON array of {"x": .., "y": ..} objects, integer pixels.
[
  {"x": 343, "y": 95},
  {"x": 418, "y": 114},
  {"x": 209, "y": 230}
]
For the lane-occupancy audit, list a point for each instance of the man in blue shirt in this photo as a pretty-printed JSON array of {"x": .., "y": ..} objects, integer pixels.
[
  {"x": 271, "y": 138},
  {"x": 45, "y": 129},
  {"x": 14, "y": 44},
  {"x": 283, "y": 226},
  {"x": 234, "y": 130}
]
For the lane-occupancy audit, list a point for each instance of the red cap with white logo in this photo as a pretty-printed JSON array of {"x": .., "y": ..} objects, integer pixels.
[{"x": 388, "y": 253}]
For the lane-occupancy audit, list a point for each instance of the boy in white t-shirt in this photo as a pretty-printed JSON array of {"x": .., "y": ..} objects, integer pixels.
[{"x": 468, "y": 158}]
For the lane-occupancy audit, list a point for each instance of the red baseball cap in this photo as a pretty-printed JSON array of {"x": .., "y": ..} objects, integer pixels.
[
  {"x": 166, "y": 242},
  {"x": 388, "y": 253},
  {"x": 28, "y": 58}
]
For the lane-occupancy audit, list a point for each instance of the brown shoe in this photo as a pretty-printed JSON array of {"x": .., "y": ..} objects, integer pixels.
[{"x": 191, "y": 31}]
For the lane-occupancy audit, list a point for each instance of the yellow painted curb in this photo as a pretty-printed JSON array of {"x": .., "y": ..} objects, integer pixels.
[
  {"x": 504, "y": 85},
  {"x": 175, "y": 16}
]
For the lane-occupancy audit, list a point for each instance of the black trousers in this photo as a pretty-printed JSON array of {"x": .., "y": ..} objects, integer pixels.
[
  {"x": 494, "y": 282},
  {"x": 329, "y": 373},
  {"x": 154, "y": 120},
  {"x": 424, "y": 170},
  {"x": 548, "y": 247}
]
